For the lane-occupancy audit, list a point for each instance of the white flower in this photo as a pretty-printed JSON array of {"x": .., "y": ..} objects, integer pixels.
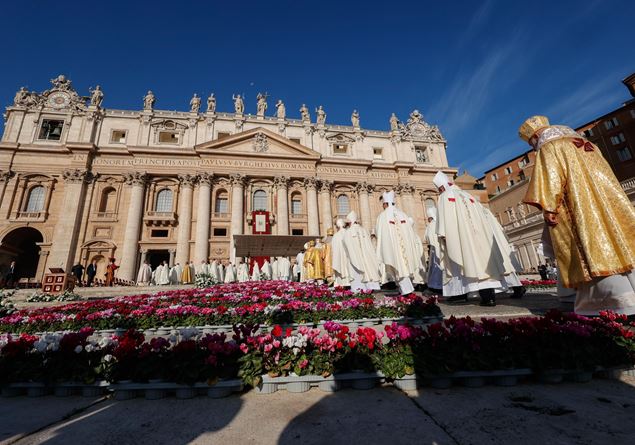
[
  {"x": 90, "y": 347},
  {"x": 108, "y": 357},
  {"x": 78, "y": 349}
]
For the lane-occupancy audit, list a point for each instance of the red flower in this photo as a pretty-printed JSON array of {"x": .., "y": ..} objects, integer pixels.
[{"x": 277, "y": 331}]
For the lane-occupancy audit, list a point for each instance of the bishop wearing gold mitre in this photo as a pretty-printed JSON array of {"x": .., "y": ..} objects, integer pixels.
[
  {"x": 590, "y": 220},
  {"x": 313, "y": 262}
]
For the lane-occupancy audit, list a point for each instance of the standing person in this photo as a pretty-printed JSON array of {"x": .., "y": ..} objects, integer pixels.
[
  {"x": 186, "y": 275},
  {"x": 230, "y": 274},
  {"x": 299, "y": 261},
  {"x": 284, "y": 268},
  {"x": 471, "y": 259},
  {"x": 435, "y": 274},
  {"x": 328, "y": 255},
  {"x": 542, "y": 270},
  {"x": 91, "y": 272},
  {"x": 267, "y": 270},
  {"x": 591, "y": 220},
  {"x": 255, "y": 272},
  {"x": 420, "y": 269},
  {"x": 202, "y": 268},
  {"x": 110, "y": 272},
  {"x": 11, "y": 276},
  {"x": 78, "y": 272},
  {"x": 162, "y": 274},
  {"x": 364, "y": 266},
  {"x": 395, "y": 238},
  {"x": 243, "y": 272},
  {"x": 275, "y": 273},
  {"x": 341, "y": 263},
  {"x": 144, "y": 276},
  {"x": 213, "y": 271}
]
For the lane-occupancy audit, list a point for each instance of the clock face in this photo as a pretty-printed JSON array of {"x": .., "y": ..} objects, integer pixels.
[{"x": 59, "y": 100}]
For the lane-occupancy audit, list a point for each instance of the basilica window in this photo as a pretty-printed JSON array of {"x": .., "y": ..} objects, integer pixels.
[
  {"x": 169, "y": 137},
  {"x": 260, "y": 200},
  {"x": 611, "y": 123},
  {"x": 421, "y": 155},
  {"x": 430, "y": 204},
  {"x": 221, "y": 205},
  {"x": 296, "y": 204},
  {"x": 164, "y": 201},
  {"x": 624, "y": 154},
  {"x": 107, "y": 202},
  {"x": 118, "y": 136},
  {"x": 340, "y": 149},
  {"x": 378, "y": 153},
  {"x": 51, "y": 130},
  {"x": 35, "y": 202},
  {"x": 220, "y": 232},
  {"x": 343, "y": 205}
]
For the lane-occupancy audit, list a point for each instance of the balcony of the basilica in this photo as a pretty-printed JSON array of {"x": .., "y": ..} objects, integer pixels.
[{"x": 156, "y": 218}]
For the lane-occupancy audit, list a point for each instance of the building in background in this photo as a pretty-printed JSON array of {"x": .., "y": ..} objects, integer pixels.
[{"x": 80, "y": 182}]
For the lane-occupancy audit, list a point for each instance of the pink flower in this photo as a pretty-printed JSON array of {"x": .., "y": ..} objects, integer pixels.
[
  {"x": 244, "y": 348},
  {"x": 304, "y": 363}
]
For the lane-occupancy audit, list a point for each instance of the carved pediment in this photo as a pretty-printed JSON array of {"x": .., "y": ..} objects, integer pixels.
[
  {"x": 418, "y": 129},
  {"x": 168, "y": 124},
  {"x": 340, "y": 138},
  {"x": 258, "y": 142}
]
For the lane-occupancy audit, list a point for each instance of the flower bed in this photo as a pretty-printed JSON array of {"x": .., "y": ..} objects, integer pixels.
[
  {"x": 271, "y": 302},
  {"x": 539, "y": 284},
  {"x": 453, "y": 349}
]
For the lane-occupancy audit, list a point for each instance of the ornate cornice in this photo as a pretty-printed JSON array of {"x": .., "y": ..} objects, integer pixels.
[
  {"x": 205, "y": 178},
  {"x": 237, "y": 179},
  {"x": 135, "y": 178},
  {"x": 187, "y": 180},
  {"x": 77, "y": 176}
]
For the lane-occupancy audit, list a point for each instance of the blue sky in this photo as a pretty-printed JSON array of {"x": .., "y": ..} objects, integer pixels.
[{"x": 476, "y": 69}]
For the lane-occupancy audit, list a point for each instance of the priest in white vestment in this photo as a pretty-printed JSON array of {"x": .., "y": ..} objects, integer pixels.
[
  {"x": 267, "y": 270},
  {"x": 202, "y": 268},
  {"x": 364, "y": 266},
  {"x": 221, "y": 272},
  {"x": 242, "y": 274},
  {"x": 470, "y": 257},
  {"x": 275, "y": 273},
  {"x": 162, "y": 275},
  {"x": 419, "y": 276},
  {"x": 284, "y": 268},
  {"x": 213, "y": 271},
  {"x": 230, "y": 274},
  {"x": 255, "y": 272},
  {"x": 175, "y": 274},
  {"x": 341, "y": 263},
  {"x": 145, "y": 274},
  {"x": 395, "y": 238},
  {"x": 435, "y": 274},
  {"x": 299, "y": 259}
]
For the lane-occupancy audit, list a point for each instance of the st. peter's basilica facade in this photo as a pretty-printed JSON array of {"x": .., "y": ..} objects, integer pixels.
[{"x": 79, "y": 181}]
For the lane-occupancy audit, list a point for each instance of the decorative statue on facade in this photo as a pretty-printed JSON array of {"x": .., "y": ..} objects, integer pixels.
[
  {"x": 304, "y": 113},
  {"x": 512, "y": 214},
  {"x": 148, "y": 101},
  {"x": 521, "y": 211},
  {"x": 195, "y": 104},
  {"x": 211, "y": 104},
  {"x": 321, "y": 115},
  {"x": 239, "y": 105},
  {"x": 281, "y": 110},
  {"x": 355, "y": 119},
  {"x": 394, "y": 123},
  {"x": 96, "y": 96},
  {"x": 261, "y": 104},
  {"x": 62, "y": 83},
  {"x": 21, "y": 96}
]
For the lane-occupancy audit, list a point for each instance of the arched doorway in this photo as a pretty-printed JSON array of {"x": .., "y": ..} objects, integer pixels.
[{"x": 21, "y": 245}]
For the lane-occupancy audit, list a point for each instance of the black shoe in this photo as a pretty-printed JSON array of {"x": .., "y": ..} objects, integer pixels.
[
  {"x": 519, "y": 292},
  {"x": 456, "y": 298}
]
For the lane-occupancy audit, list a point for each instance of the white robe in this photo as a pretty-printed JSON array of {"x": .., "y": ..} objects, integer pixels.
[
  {"x": 267, "y": 270},
  {"x": 175, "y": 274},
  {"x": 221, "y": 273},
  {"x": 470, "y": 257},
  {"x": 341, "y": 262},
  {"x": 435, "y": 274},
  {"x": 202, "y": 269},
  {"x": 213, "y": 271},
  {"x": 420, "y": 272},
  {"x": 230, "y": 275},
  {"x": 359, "y": 248},
  {"x": 275, "y": 273},
  {"x": 163, "y": 274},
  {"x": 243, "y": 272},
  {"x": 284, "y": 269},
  {"x": 299, "y": 259},
  {"x": 255, "y": 272},
  {"x": 145, "y": 275}
]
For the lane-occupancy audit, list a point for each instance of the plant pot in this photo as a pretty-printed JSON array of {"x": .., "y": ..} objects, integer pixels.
[
  {"x": 62, "y": 391},
  {"x": 36, "y": 391},
  {"x": 125, "y": 394},
  {"x": 219, "y": 392},
  {"x": 474, "y": 382},
  {"x": 185, "y": 393},
  {"x": 154, "y": 394},
  {"x": 11, "y": 392},
  {"x": 406, "y": 383},
  {"x": 329, "y": 385},
  {"x": 441, "y": 382},
  {"x": 266, "y": 388},
  {"x": 581, "y": 376},
  {"x": 551, "y": 376},
  {"x": 92, "y": 391},
  {"x": 298, "y": 386},
  {"x": 160, "y": 332},
  {"x": 363, "y": 383},
  {"x": 506, "y": 380}
]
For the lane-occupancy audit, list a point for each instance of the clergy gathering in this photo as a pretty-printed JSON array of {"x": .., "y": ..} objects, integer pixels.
[{"x": 289, "y": 222}]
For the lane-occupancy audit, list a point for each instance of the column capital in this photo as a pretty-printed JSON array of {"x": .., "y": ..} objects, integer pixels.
[
  {"x": 402, "y": 189},
  {"x": 326, "y": 186},
  {"x": 187, "y": 180},
  {"x": 135, "y": 178},
  {"x": 237, "y": 179},
  {"x": 77, "y": 176},
  {"x": 281, "y": 182},
  {"x": 364, "y": 187},
  {"x": 310, "y": 183},
  {"x": 6, "y": 175},
  {"x": 205, "y": 178}
]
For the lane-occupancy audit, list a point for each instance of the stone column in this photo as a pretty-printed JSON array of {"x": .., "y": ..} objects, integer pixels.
[
  {"x": 407, "y": 200},
  {"x": 325, "y": 209},
  {"x": 185, "y": 218},
  {"x": 312, "y": 206},
  {"x": 171, "y": 260},
  {"x": 136, "y": 181},
  {"x": 363, "y": 189},
  {"x": 66, "y": 230},
  {"x": 282, "y": 218},
  {"x": 5, "y": 177},
  {"x": 237, "y": 223},
  {"x": 203, "y": 215},
  {"x": 144, "y": 255}
]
